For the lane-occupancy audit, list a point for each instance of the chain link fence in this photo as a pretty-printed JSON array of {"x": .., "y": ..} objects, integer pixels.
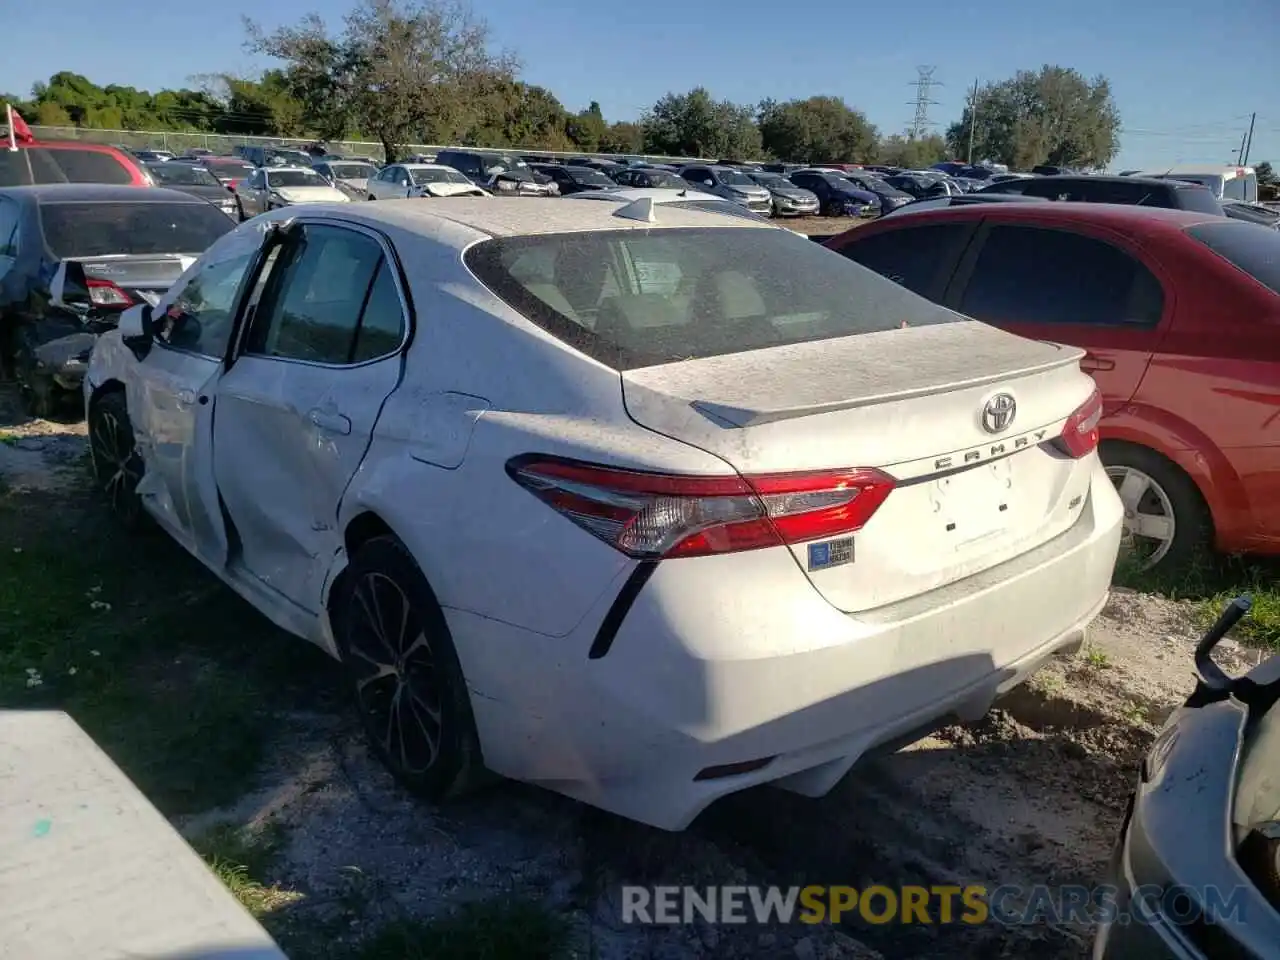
[{"x": 225, "y": 144}]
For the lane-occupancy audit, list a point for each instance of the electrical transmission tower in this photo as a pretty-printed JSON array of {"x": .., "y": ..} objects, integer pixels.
[{"x": 923, "y": 83}]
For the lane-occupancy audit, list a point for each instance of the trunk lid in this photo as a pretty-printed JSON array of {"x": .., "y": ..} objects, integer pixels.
[
  {"x": 143, "y": 277},
  {"x": 909, "y": 402}
]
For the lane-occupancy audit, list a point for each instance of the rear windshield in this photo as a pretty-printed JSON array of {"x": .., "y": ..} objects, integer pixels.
[
  {"x": 103, "y": 229},
  {"x": 1198, "y": 199},
  {"x": 185, "y": 174},
  {"x": 37, "y": 165},
  {"x": 229, "y": 168},
  {"x": 632, "y": 298},
  {"x": 589, "y": 176},
  {"x": 1249, "y": 247}
]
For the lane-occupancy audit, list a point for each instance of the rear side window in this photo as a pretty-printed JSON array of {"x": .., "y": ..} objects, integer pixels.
[
  {"x": 1199, "y": 199},
  {"x": 103, "y": 229},
  {"x": 1037, "y": 275},
  {"x": 632, "y": 298},
  {"x": 912, "y": 257},
  {"x": 88, "y": 166},
  {"x": 1247, "y": 246}
]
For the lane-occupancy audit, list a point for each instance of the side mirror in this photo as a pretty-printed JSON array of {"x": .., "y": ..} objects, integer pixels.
[
  {"x": 136, "y": 329},
  {"x": 69, "y": 288}
]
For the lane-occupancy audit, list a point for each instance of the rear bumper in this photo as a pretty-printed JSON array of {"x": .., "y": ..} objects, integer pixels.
[{"x": 733, "y": 659}]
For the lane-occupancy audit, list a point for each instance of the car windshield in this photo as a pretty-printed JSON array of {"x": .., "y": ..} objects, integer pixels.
[
  {"x": 281, "y": 158},
  {"x": 106, "y": 229},
  {"x": 1250, "y": 247},
  {"x": 771, "y": 180},
  {"x": 294, "y": 178},
  {"x": 733, "y": 178},
  {"x": 632, "y": 298},
  {"x": 437, "y": 175},
  {"x": 503, "y": 164},
  {"x": 661, "y": 178},
  {"x": 229, "y": 168},
  {"x": 183, "y": 174},
  {"x": 589, "y": 176},
  {"x": 353, "y": 171}
]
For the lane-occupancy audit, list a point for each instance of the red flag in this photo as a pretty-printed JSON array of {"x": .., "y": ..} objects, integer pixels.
[{"x": 18, "y": 129}]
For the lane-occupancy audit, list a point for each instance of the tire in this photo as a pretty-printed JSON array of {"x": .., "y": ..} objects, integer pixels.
[
  {"x": 1166, "y": 490},
  {"x": 371, "y": 197},
  {"x": 381, "y": 576},
  {"x": 117, "y": 466}
]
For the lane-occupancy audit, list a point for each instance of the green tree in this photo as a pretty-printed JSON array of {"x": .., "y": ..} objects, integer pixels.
[
  {"x": 914, "y": 153},
  {"x": 405, "y": 71},
  {"x": 693, "y": 124},
  {"x": 1264, "y": 172},
  {"x": 1053, "y": 115},
  {"x": 51, "y": 115},
  {"x": 816, "y": 130},
  {"x": 587, "y": 129},
  {"x": 623, "y": 137}
]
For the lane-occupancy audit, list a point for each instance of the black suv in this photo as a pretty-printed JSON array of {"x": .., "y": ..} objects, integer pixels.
[{"x": 1135, "y": 191}]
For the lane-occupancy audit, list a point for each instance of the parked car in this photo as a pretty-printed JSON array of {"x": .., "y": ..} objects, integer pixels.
[
  {"x": 644, "y": 178},
  {"x": 500, "y": 173},
  {"x": 69, "y": 161},
  {"x": 837, "y": 196},
  {"x": 730, "y": 184},
  {"x": 401, "y": 180},
  {"x": 684, "y": 199},
  {"x": 72, "y": 256},
  {"x": 1198, "y": 859},
  {"x": 350, "y": 176},
  {"x": 1179, "y": 313},
  {"x": 890, "y": 198},
  {"x": 273, "y": 187},
  {"x": 268, "y": 156},
  {"x": 1225, "y": 182},
  {"x": 1252, "y": 213},
  {"x": 922, "y": 186},
  {"x": 151, "y": 156},
  {"x": 195, "y": 181},
  {"x": 1096, "y": 188},
  {"x": 554, "y": 525},
  {"x": 197, "y": 153},
  {"x": 229, "y": 171},
  {"x": 960, "y": 200},
  {"x": 788, "y": 199},
  {"x": 572, "y": 179}
]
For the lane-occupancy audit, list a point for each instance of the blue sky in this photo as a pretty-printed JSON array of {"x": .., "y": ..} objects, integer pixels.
[{"x": 1186, "y": 75}]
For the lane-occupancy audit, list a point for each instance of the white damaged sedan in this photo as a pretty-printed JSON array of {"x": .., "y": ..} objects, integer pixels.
[{"x": 643, "y": 504}]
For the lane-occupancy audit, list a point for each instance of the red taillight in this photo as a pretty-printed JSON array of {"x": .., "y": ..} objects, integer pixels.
[
  {"x": 651, "y": 515},
  {"x": 1080, "y": 432},
  {"x": 104, "y": 293}
]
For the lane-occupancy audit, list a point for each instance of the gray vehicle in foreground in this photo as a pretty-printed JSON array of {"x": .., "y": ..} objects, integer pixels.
[{"x": 1197, "y": 866}]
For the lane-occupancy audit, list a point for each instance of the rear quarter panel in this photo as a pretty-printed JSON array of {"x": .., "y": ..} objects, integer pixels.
[{"x": 1211, "y": 395}]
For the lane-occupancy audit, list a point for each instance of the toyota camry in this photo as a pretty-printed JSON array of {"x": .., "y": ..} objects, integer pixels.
[{"x": 643, "y": 504}]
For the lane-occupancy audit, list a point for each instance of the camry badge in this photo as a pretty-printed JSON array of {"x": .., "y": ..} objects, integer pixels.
[{"x": 999, "y": 412}]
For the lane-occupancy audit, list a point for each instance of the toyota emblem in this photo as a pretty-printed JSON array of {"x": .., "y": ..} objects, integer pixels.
[{"x": 999, "y": 412}]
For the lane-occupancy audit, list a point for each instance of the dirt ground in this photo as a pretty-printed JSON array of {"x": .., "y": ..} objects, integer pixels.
[
  {"x": 1032, "y": 794},
  {"x": 820, "y": 226}
]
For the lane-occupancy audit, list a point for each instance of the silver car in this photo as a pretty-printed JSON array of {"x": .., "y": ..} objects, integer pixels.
[
  {"x": 350, "y": 176},
  {"x": 788, "y": 199},
  {"x": 731, "y": 184}
]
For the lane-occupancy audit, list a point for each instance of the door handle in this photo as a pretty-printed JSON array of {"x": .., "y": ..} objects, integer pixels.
[
  {"x": 329, "y": 421},
  {"x": 1092, "y": 364}
]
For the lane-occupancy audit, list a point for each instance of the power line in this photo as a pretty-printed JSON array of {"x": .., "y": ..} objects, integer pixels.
[{"x": 923, "y": 83}]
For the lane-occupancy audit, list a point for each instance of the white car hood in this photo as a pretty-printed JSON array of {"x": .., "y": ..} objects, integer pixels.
[
  {"x": 310, "y": 194},
  {"x": 452, "y": 189}
]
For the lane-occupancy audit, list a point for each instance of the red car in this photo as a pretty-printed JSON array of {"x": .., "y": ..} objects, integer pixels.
[
  {"x": 69, "y": 161},
  {"x": 1180, "y": 315}
]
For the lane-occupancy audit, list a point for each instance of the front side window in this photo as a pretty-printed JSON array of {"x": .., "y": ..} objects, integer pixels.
[
  {"x": 200, "y": 318},
  {"x": 320, "y": 292},
  {"x": 1036, "y": 275},
  {"x": 633, "y": 299}
]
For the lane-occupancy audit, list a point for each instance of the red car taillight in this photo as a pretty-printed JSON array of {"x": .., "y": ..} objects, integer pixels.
[
  {"x": 655, "y": 515},
  {"x": 104, "y": 293},
  {"x": 1080, "y": 432}
]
